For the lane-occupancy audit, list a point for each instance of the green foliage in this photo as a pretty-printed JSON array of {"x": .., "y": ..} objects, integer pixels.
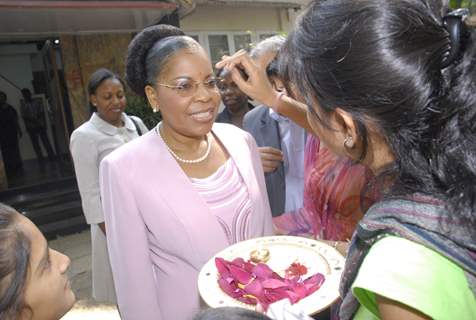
[
  {"x": 471, "y": 4},
  {"x": 138, "y": 107}
]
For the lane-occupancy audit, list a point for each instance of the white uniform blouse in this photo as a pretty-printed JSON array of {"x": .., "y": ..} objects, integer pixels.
[{"x": 90, "y": 143}]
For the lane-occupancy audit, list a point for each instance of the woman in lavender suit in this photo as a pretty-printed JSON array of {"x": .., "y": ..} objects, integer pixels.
[{"x": 182, "y": 192}]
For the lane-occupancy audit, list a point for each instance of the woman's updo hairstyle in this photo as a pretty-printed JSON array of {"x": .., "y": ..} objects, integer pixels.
[{"x": 149, "y": 51}]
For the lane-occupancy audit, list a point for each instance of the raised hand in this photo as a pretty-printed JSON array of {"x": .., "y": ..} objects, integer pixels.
[{"x": 257, "y": 85}]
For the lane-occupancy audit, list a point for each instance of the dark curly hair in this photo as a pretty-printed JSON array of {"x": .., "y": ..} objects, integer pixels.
[
  {"x": 382, "y": 61},
  {"x": 149, "y": 51},
  {"x": 15, "y": 250}
]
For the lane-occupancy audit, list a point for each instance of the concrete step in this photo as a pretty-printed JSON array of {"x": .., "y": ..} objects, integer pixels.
[
  {"x": 26, "y": 191},
  {"x": 54, "y": 206},
  {"x": 51, "y": 213},
  {"x": 44, "y": 199},
  {"x": 63, "y": 227}
]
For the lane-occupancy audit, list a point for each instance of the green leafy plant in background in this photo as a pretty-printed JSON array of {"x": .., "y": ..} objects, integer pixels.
[
  {"x": 471, "y": 4},
  {"x": 138, "y": 107}
]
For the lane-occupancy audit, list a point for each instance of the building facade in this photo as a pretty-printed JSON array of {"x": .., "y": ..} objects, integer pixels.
[{"x": 52, "y": 47}]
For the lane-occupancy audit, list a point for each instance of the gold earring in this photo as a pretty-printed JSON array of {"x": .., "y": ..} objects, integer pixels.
[{"x": 348, "y": 142}]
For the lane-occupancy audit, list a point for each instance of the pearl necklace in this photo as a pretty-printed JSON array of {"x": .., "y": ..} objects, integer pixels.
[{"x": 207, "y": 153}]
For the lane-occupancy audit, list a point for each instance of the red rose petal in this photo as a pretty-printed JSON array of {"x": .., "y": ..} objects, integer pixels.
[
  {"x": 273, "y": 283},
  {"x": 240, "y": 274},
  {"x": 252, "y": 283}
]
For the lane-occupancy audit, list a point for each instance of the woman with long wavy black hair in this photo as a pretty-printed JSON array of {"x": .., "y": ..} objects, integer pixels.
[{"x": 391, "y": 84}]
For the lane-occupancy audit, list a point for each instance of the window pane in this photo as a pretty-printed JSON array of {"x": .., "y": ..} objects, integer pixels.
[
  {"x": 266, "y": 35},
  {"x": 218, "y": 47},
  {"x": 242, "y": 41},
  {"x": 195, "y": 37}
]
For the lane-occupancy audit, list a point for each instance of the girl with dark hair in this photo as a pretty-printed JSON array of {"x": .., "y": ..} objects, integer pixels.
[
  {"x": 334, "y": 195},
  {"x": 391, "y": 84},
  {"x": 108, "y": 128},
  {"x": 33, "y": 281},
  {"x": 181, "y": 193}
]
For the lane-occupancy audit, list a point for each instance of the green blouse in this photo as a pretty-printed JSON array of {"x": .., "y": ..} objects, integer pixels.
[{"x": 416, "y": 276}]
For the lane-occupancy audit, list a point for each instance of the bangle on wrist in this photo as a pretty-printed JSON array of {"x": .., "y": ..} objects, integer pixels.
[{"x": 277, "y": 100}]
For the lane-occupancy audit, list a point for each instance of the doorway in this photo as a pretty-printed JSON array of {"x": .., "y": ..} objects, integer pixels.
[{"x": 37, "y": 66}]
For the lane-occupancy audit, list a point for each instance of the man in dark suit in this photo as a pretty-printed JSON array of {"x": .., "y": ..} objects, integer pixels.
[
  {"x": 10, "y": 133},
  {"x": 281, "y": 142},
  {"x": 266, "y": 133}
]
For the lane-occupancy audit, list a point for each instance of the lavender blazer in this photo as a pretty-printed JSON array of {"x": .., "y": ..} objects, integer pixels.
[{"x": 160, "y": 232}]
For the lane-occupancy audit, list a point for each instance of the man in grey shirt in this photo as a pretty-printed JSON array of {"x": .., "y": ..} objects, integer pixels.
[
  {"x": 281, "y": 142},
  {"x": 33, "y": 114}
]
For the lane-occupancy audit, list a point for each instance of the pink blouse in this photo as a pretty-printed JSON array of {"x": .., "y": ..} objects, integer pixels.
[{"x": 227, "y": 197}]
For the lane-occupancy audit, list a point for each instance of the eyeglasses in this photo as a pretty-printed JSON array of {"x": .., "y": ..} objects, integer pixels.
[{"x": 187, "y": 88}]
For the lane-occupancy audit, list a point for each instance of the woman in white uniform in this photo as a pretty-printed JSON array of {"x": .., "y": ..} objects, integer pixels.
[{"x": 108, "y": 128}]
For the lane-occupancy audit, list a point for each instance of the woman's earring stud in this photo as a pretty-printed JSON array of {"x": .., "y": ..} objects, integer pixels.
[{"x": 348, "y": 142}]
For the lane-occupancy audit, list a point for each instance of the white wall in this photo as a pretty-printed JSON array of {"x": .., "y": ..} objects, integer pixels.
[
  {"x": 233, "y": 18},
  {"x": 16, "y": 65}
]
